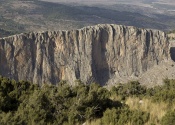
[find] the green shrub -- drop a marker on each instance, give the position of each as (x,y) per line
(124,115)
(133,88)
(165,93)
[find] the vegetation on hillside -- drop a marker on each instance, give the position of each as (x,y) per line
(4,33)
(172,31)
(9,27)
(26,103)
(17,16)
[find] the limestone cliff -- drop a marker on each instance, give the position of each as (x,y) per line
(102,53)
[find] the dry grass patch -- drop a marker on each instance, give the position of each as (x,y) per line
(93,122)
(156,110)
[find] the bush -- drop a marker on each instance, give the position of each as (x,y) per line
(121,116)
(132,88)
(165,93)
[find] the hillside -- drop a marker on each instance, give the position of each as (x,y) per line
(18,16)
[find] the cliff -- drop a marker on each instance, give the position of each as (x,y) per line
(103,53)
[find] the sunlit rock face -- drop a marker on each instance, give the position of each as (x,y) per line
(106,54)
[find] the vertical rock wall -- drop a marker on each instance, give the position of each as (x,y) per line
(97,53)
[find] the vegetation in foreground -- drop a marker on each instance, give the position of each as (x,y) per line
(125,104)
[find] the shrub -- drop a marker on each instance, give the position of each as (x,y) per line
(124,115)
(165,93)
(132,88)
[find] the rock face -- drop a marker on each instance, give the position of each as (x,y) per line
(102,53)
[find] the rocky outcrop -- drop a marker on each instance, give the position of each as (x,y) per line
(102,53)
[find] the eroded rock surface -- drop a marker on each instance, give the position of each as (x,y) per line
(104,53)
